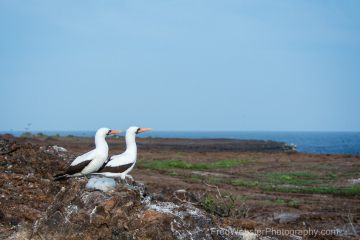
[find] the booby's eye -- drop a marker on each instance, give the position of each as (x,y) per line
(108,132)
(137,131)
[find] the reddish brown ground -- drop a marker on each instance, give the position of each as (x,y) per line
(317,210)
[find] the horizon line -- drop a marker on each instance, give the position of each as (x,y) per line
(7,131)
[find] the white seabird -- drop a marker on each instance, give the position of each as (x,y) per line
(120,165)
(90,161)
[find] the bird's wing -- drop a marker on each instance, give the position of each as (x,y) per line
(85,157)
(121,159)
(81,162)
(118,163)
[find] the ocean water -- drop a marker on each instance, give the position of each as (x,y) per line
(309,142)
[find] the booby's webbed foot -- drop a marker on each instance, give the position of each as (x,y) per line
(120,185)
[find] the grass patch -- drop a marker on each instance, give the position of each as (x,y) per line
(291,174)
(286,177)
(318,189)
(331,176)
(176,164)
(174,173)
(228,163)
(243,198)
(293,178)
(240,182)
(298,178)
(171,164)
(279,201)
(182,154)
(294,202)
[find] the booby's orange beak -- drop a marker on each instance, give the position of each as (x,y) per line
(114,132)
(144,130)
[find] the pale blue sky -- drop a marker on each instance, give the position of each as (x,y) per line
(180,65)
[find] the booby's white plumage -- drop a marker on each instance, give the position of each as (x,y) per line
(120,165)
(90,161)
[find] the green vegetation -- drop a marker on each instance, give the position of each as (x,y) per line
(280,201)
(182,154)
(164,151)
(174,173)
(291,174)
(286,177)
(228,163)
(318,189)
(331,176)
(177,164)
(350,174)
(171,164)
(223,205)
(298,178)
(240,182)
(293,178)
(243,198)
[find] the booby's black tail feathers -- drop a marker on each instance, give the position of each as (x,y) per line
(59,177)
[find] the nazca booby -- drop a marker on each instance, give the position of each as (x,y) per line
(120,165)
(90,161)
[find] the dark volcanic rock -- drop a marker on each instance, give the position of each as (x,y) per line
(35,207)
(79,213)
(26,189)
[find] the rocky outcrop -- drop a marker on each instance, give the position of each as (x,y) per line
(26,189)
(35,207)
(79,213)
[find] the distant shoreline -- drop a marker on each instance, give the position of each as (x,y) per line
(164,144)
(307,142)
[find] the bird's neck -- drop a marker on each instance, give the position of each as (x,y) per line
(101,144)
(130,143)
